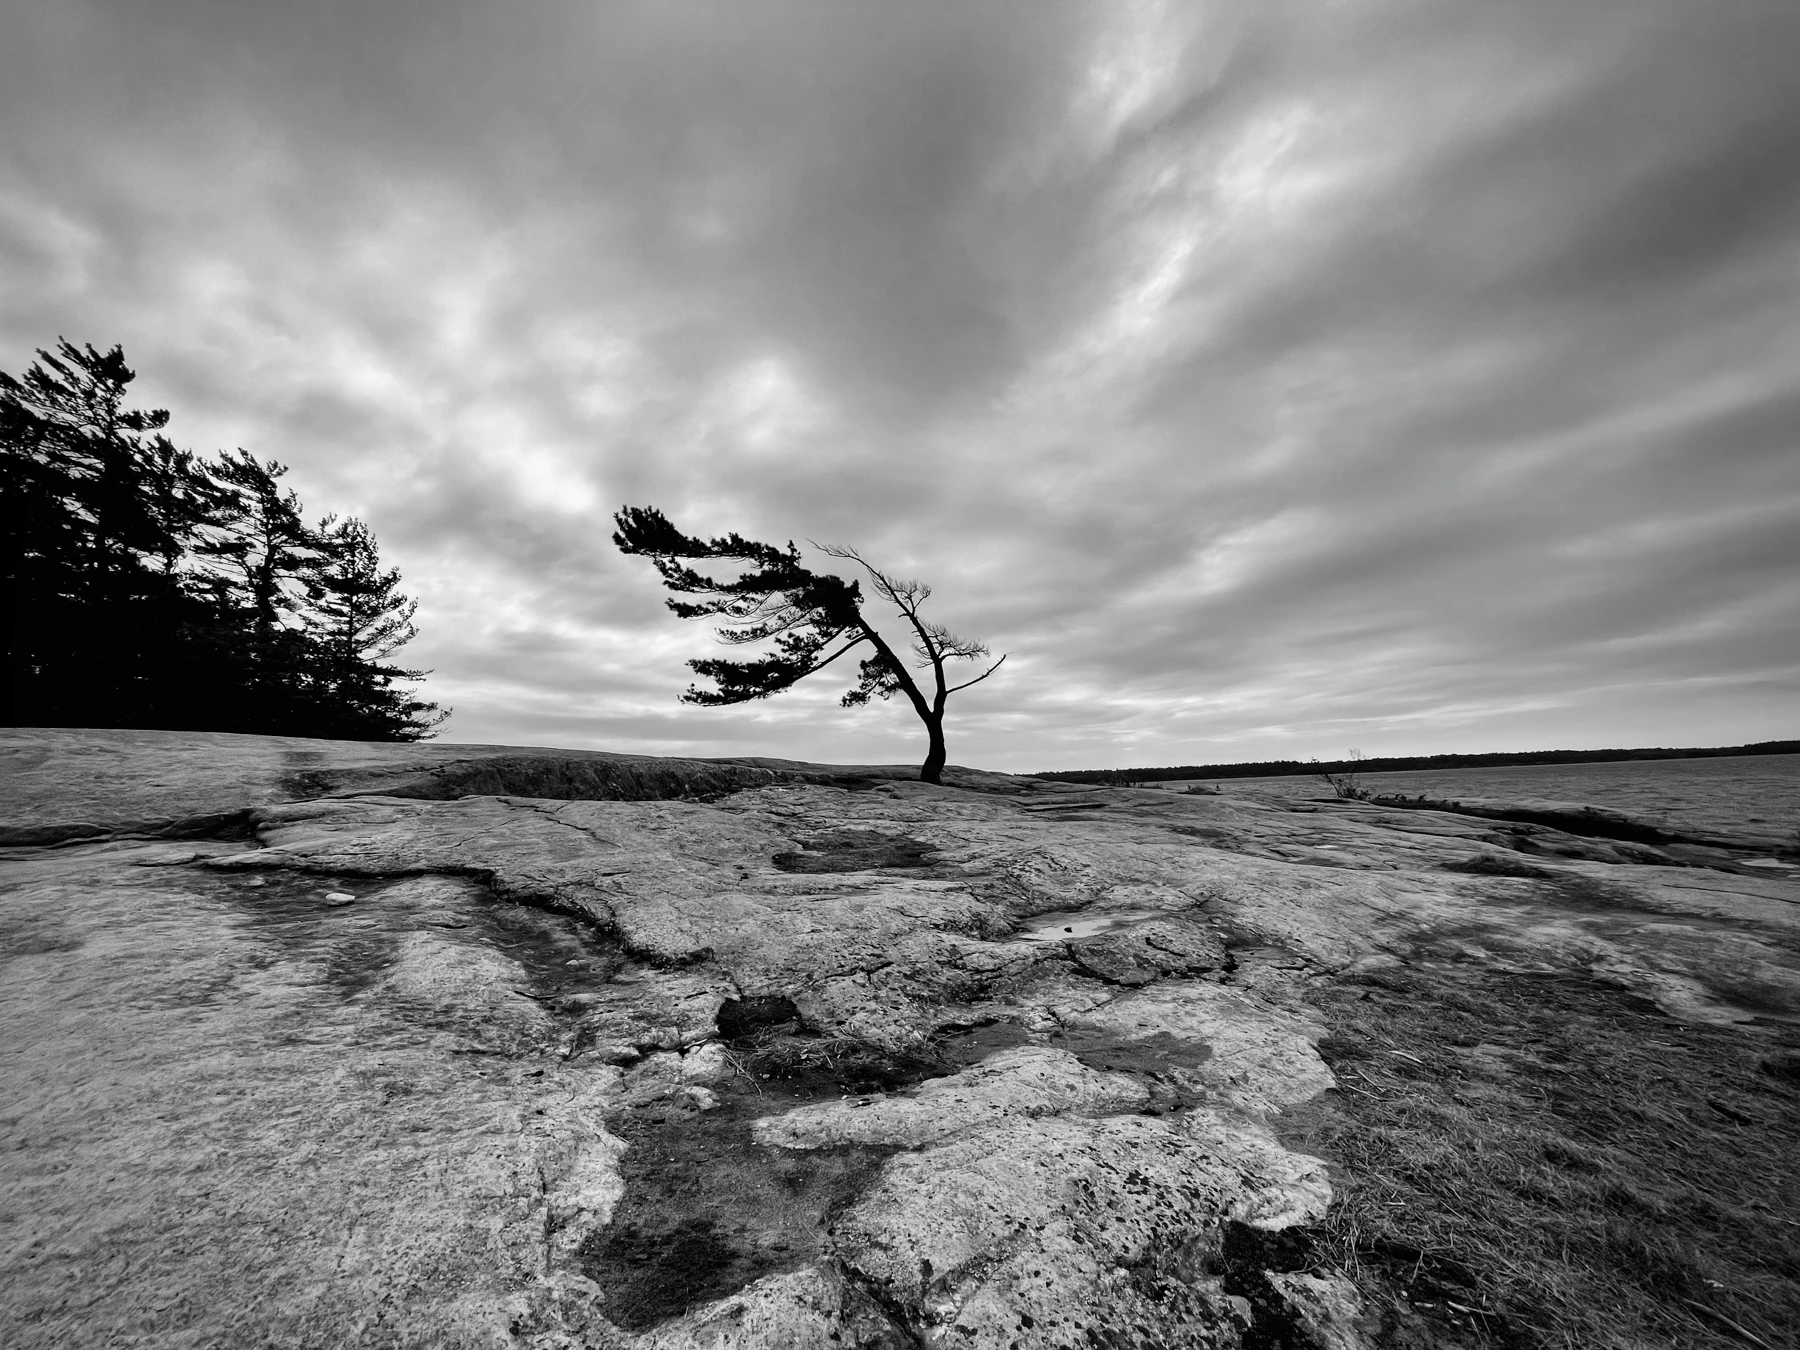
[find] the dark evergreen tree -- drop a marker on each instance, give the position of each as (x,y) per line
(803,613)
(179,498)
(88,615)
(146,588)
(262,539)
(357,619)
(38,532)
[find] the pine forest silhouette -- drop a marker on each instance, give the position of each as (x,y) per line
(148,587)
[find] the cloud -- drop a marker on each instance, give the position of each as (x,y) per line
(1257,375)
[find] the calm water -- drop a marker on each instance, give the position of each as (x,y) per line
(1753,794)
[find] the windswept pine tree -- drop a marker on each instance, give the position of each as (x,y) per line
(804,614)
(146,587)
(359,620)
(89,617)
(260,548)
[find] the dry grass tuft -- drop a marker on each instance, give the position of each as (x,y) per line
(1546,1161)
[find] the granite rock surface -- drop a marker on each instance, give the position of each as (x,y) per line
(331,1044)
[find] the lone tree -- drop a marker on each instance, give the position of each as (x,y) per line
(804,613)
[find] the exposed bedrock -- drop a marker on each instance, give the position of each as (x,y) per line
(452,1046)
(59,784)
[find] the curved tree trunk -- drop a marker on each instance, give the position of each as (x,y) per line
(932,715)
(932,770)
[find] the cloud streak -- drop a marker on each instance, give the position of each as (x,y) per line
(1265,378)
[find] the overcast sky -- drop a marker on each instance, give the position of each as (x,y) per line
(1265,378)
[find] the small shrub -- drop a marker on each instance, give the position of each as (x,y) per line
(1345,783)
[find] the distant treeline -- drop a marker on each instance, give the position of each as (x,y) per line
(1279,768)
(147,587)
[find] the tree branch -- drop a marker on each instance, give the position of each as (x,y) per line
(906,596)
(854,642)
(979,678)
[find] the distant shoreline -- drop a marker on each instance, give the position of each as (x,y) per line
(1284,768)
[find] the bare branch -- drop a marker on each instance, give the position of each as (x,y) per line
(979,678)
(906,595)
(909,595)
(948,644)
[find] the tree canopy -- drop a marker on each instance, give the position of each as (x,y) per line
(146,586)
(812,618)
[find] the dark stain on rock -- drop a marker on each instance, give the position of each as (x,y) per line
(966,1045)
(706,1208)
(707,1211)
(1207,834)
(33,933)
(557,776)
(1782,1065)
(1498,865)
(230,825)
(808,1065)
(1244,1257)
(1589,822)
(1575,891)
(654,1274)
(1112,1053)
(742,1017)
(1161,1061)
(855,851)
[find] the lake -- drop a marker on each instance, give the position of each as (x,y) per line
(1747,794)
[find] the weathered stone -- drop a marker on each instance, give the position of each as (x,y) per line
(1027,1081)
(1040,1231)
(1143,952)
(810,1309)
(246,1112)
(1325,1309)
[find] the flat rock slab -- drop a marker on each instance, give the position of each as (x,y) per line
(227,1128)
(831,1059)
(58,783)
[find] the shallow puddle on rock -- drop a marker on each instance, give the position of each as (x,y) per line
(351,946)
(707,1209)
(966,1046)
(357,940)
(1158,1053)
(1068,925)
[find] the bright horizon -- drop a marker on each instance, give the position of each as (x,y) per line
(1265,380)
(1174,764)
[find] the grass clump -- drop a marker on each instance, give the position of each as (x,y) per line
(1545,1161)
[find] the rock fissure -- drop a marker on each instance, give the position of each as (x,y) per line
(219,825)
(902,1317)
